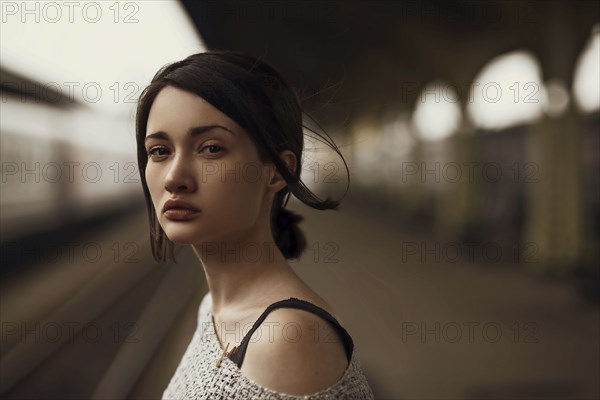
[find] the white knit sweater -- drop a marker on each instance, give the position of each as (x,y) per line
(198,377)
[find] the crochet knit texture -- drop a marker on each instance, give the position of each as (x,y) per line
(198,377)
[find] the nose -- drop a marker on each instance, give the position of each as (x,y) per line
(179,177)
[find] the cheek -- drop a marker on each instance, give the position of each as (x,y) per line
(240,195)
(154,184)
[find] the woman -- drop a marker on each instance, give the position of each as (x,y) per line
(220,142)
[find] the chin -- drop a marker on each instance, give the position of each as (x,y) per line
(180,239)
(183,235)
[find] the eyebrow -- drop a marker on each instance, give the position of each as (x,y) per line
(195,131)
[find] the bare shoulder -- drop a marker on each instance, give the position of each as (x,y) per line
(295,352)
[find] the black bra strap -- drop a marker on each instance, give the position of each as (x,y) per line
(293,302)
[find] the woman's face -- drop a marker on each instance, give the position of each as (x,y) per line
(198,155)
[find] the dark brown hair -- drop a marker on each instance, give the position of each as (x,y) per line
(256,97)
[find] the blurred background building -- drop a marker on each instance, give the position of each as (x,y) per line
(471,131)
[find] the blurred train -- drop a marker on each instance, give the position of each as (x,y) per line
(63,162)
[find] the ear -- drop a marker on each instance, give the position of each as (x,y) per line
(276,181)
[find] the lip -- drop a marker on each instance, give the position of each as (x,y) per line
(178,204)
(179,210)
(180,214)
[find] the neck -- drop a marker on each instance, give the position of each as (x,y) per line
(241,273)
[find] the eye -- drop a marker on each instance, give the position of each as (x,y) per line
(214,149)
(153,151)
